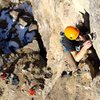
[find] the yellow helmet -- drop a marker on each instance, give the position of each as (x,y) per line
(71,32)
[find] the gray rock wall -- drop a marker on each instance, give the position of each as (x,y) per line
(95,23)
(52,17)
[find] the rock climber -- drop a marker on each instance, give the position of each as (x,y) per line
(75,42)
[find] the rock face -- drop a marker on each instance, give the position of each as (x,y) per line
(57,14)
(52,16)
(95,22)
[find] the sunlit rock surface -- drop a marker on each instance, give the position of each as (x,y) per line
(52,17)
(95,23)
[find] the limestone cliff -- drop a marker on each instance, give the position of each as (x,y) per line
(95,22)
(45,54)
(53,16)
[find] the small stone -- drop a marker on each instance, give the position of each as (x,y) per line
(14,1)
(86,78)
(48,75)
(33,27)
(22,22)
(33,46)
(14,14)
(1,92)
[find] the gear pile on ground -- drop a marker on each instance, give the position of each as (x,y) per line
(26,71)
(17,27)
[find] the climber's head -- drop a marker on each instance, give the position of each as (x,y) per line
(71,32)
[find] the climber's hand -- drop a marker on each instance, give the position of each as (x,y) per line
(87,44)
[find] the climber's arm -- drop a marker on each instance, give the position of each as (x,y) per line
(79,55)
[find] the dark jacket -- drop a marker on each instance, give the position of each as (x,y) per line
(70,45)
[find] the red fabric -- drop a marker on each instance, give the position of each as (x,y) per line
(3,76)
(32,92)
